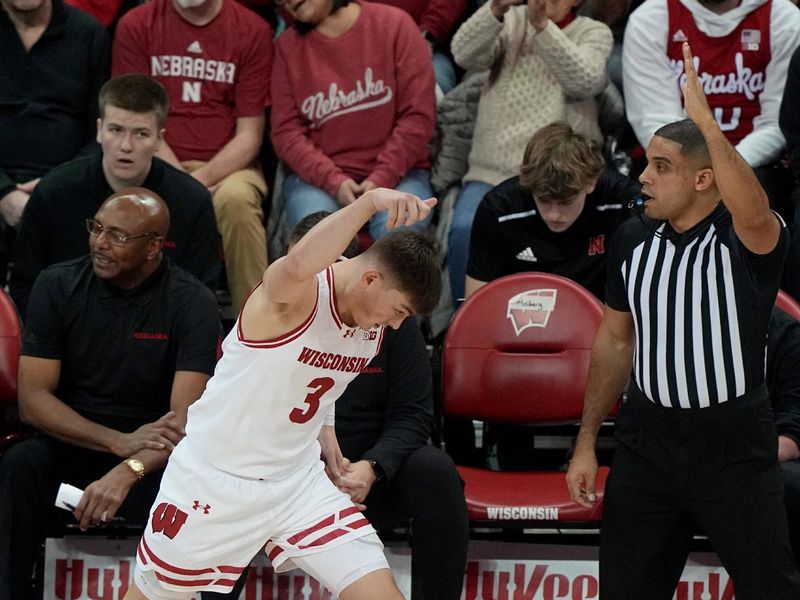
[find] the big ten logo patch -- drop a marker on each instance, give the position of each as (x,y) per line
(168,519)
(371,335)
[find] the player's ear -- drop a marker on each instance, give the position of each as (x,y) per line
(370,276)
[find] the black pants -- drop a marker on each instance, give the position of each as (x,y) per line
(791,271)
(30,473)
(427,491)
(790,470)
(716,467)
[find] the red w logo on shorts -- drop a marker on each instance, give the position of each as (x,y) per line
(168,519)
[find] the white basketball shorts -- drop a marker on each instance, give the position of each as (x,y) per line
(206,525)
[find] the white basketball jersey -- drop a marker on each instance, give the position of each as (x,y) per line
(263,409)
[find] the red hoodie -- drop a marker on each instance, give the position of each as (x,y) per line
(360,105)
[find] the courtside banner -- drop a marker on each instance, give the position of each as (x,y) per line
(85,568)
(499,571)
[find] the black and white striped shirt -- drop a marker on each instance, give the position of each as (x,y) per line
(700,303)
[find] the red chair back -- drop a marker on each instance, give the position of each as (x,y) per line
(788,304)
(9,349)
(518,351)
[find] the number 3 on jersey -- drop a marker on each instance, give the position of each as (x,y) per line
(319,386)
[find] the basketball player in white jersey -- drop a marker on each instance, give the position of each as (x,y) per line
(248,473)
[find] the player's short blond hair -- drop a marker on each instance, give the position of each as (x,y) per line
(411,260)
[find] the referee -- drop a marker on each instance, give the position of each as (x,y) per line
(689,293)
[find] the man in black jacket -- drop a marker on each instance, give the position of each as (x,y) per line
(55,58)
(130,130)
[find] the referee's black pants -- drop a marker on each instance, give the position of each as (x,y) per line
(716,467)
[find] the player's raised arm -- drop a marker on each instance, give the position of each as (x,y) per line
(755,225)
(287,279)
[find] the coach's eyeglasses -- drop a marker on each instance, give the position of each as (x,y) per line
(117,238)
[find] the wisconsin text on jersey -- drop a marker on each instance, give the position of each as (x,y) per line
(191,66)
(334,362)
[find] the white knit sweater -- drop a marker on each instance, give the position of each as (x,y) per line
(548,76)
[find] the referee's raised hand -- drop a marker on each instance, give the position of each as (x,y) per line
(694,98)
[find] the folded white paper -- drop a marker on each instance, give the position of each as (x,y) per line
(68,497)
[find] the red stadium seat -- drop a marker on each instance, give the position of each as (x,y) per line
(788,304)
(517,352)
(9,364)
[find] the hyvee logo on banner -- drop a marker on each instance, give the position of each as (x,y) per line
(574,580)
(83,568)
(100,569)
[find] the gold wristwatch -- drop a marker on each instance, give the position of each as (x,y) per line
(135,465)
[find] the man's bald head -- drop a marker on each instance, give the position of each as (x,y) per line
(145,206)
(126,236)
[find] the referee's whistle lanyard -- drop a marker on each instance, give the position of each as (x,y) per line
(637,207)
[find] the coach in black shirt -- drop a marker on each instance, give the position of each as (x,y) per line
(689,295)
(557,217)
(130,130)
(116,346)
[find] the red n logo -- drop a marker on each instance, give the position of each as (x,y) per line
(168,519)
(597,245)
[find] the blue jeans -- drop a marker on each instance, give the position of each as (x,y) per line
(444,71)
(458,239)
(300,199)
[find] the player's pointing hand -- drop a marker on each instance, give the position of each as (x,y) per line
(402,208)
